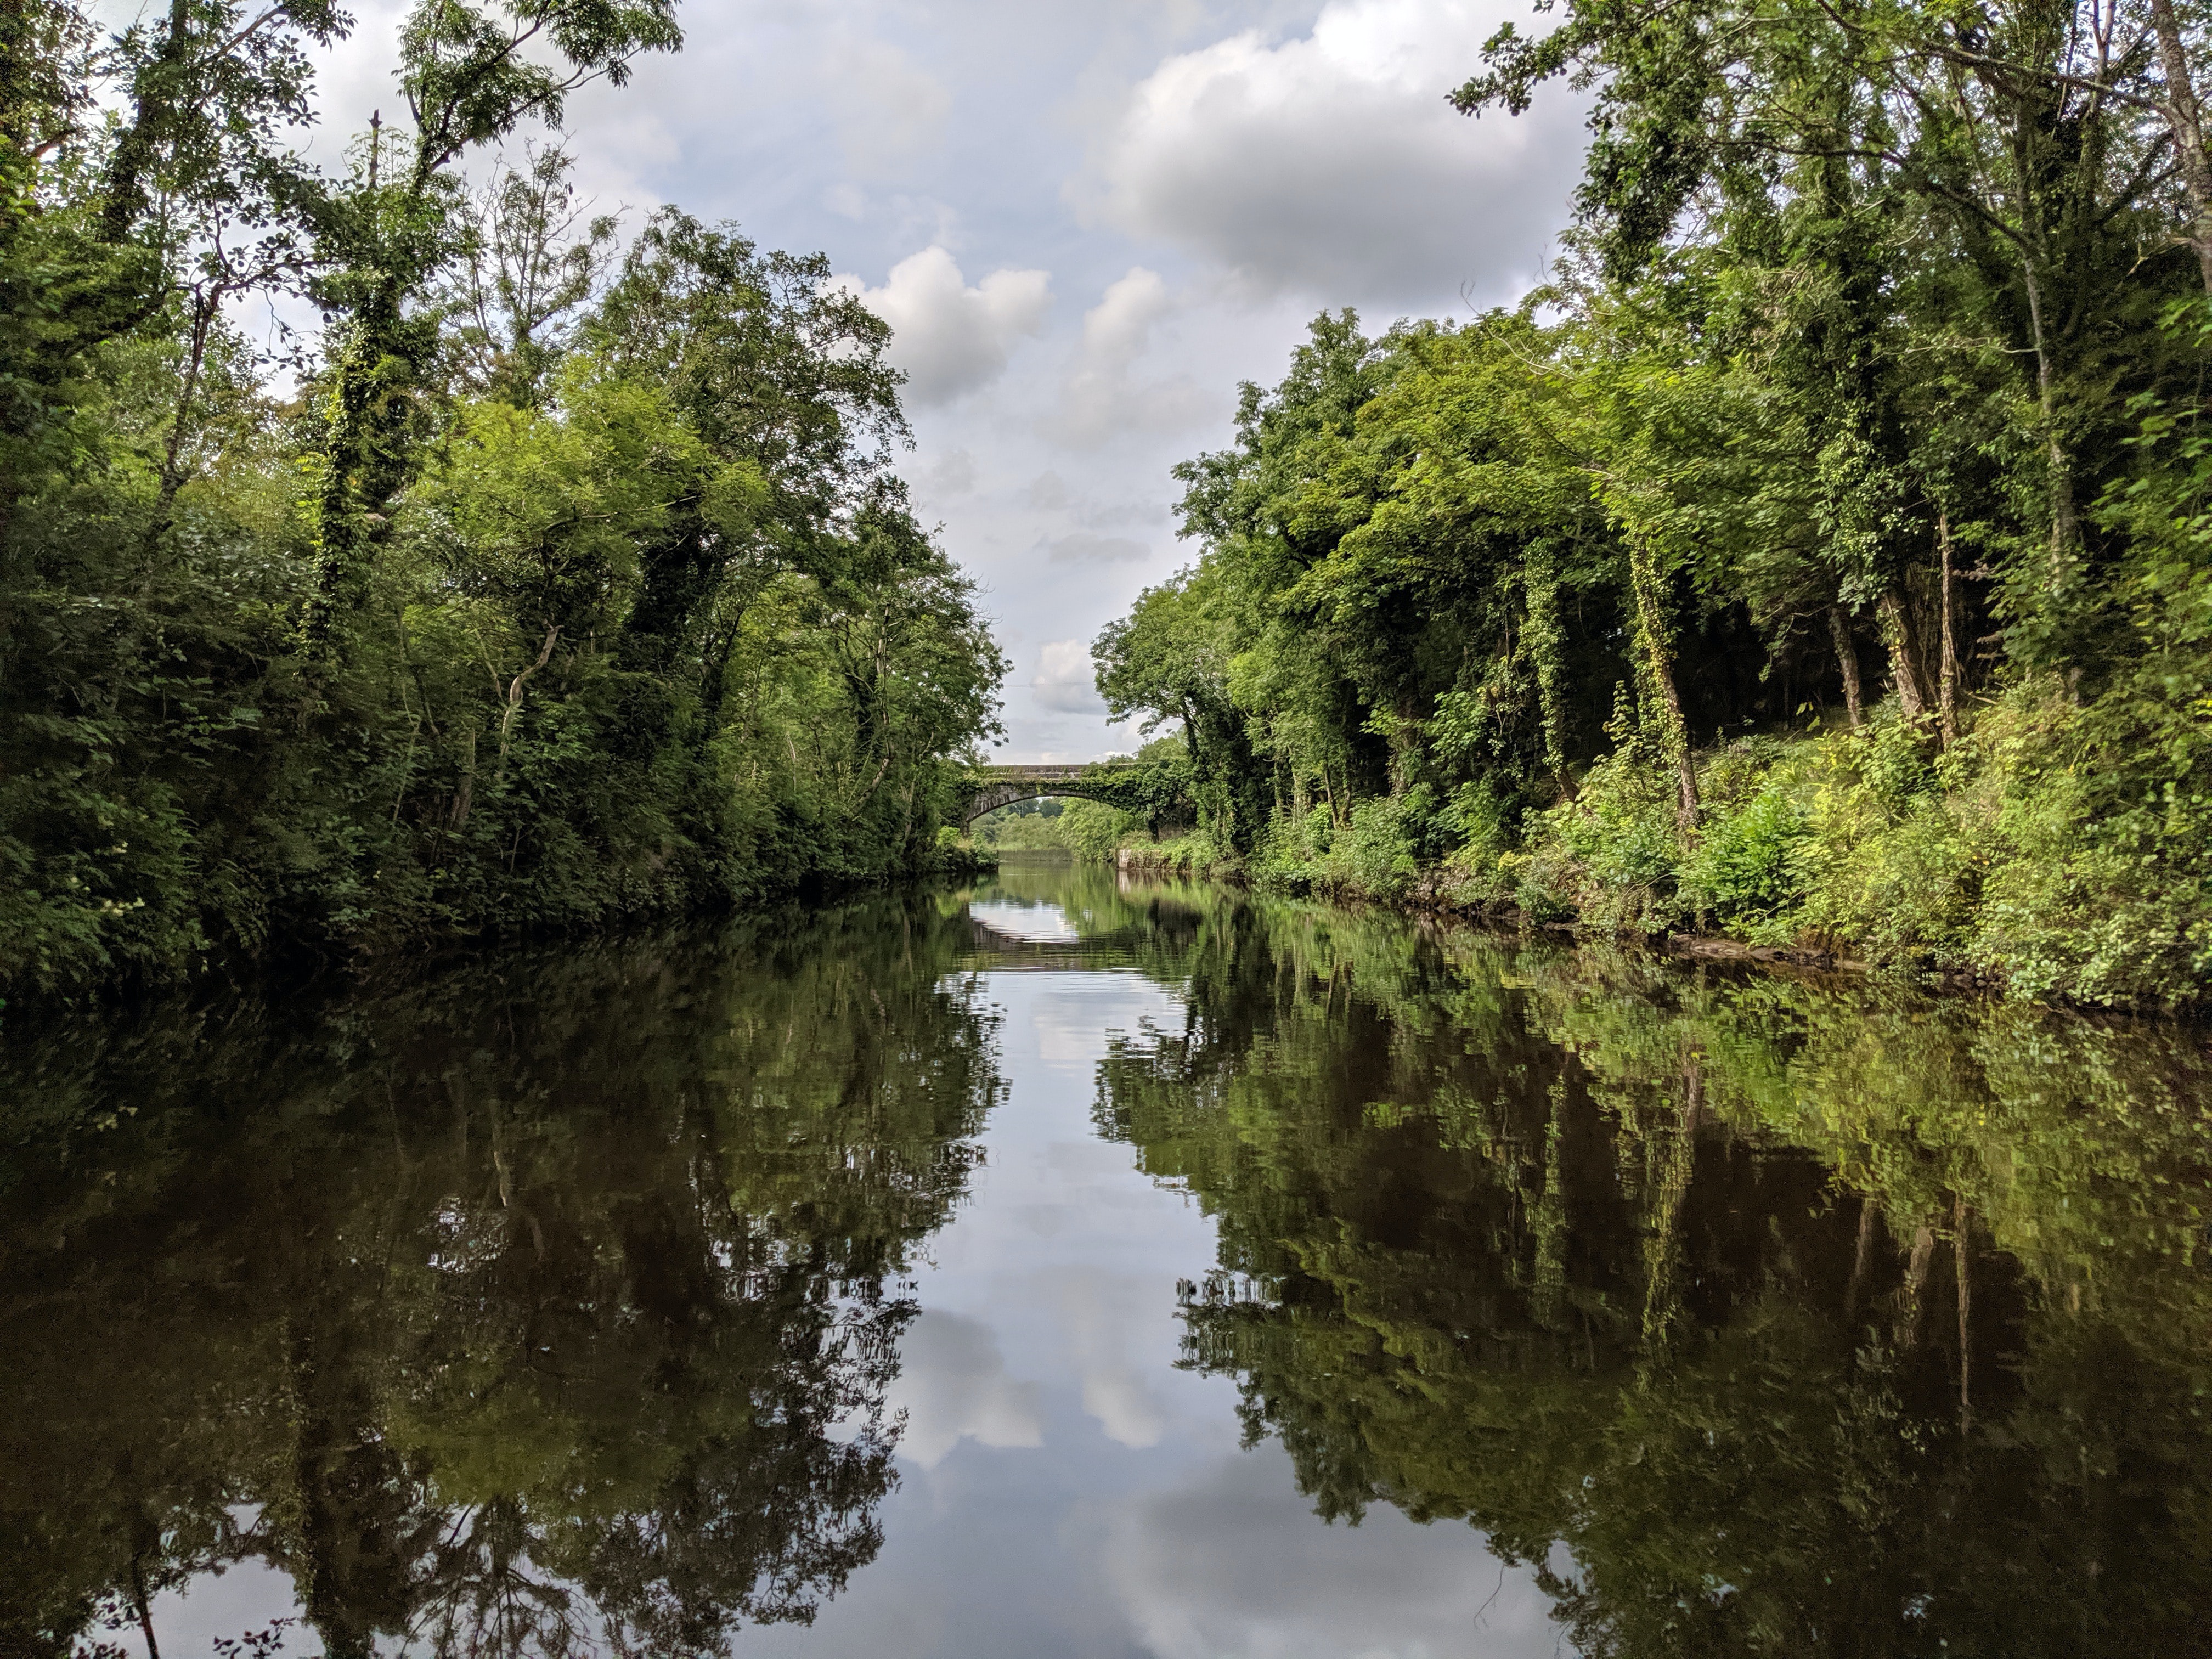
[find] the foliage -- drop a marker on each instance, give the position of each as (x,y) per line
(1819,556)
(570,582)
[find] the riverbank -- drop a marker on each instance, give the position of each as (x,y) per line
(1978,863)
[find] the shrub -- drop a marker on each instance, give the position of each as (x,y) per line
(1745,871)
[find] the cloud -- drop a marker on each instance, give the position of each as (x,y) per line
(950,338)
(887,105)
(1064,678)
(953,1385)
(1236,1563)
(1081,547)
(1331,164)
(951,475)
(1101,397)
(1047,491)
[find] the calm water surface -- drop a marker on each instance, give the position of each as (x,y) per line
(1063,1268)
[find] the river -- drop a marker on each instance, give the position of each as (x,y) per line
(1068,1267)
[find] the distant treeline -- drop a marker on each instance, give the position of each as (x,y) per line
(1821,557)
(563,575)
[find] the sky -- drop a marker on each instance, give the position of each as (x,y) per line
(1086,224)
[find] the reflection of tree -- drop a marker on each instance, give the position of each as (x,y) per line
(1806,1319)
(541,1305)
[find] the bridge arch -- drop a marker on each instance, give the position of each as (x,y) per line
(1002,786)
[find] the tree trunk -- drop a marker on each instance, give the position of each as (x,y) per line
(1869,1219)
(1897,634)
(1540,585)
(1959,1219)
(1947,676)
(154,99)
(2187,119)
(2062,472)
(1916,1281)
(1651,626)
(1847,657)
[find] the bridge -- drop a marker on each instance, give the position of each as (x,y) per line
(1002,786)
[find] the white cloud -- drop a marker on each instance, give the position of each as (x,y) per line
(1331,164)
(1081,547)
(1064,678)
(950,338)
(1101,397)
(888,106)
(953,1385)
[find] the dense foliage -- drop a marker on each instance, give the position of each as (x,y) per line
(564,577)
(1821,557)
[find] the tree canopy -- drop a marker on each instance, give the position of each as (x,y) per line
(564,576)
(1818,556)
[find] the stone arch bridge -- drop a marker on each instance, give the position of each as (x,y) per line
(994,787)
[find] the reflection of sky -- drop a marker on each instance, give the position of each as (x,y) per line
(1019,919)
(1066,1491)
(192,1617)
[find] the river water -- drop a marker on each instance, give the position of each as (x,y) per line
(1066,1266)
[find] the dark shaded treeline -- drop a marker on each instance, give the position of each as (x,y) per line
(563,577)
(1819,556)
(542,1303)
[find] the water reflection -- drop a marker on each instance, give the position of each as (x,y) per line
(1754,1315)
(547,1303)
(904,1279)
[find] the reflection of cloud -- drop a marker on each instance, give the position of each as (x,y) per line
(1108,1318)
(218,1606)
(949,337)
(953,1385)
(1236,1563)
(1066,680)
(1067,1034)
(1017,919)
(1331,164)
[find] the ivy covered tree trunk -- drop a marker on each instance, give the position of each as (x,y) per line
(1847,659)
(2185,116)
(1655,657)
(1544,638)
(1947,672)
(1897,636)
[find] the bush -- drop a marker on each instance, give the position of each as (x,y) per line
(1092,830)
(1745,870)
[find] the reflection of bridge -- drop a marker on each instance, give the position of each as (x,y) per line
(1002,786)
(990,950)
